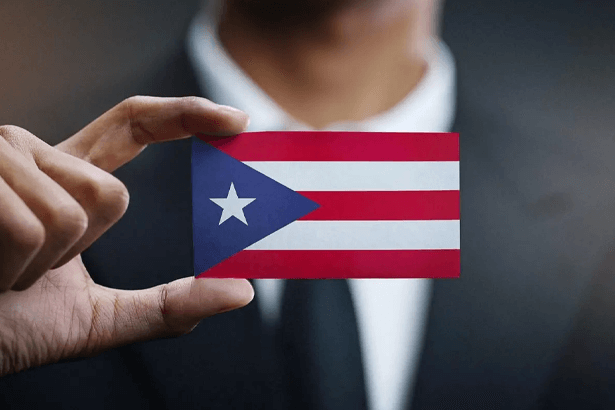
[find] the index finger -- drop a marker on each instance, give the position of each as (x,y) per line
(125,130)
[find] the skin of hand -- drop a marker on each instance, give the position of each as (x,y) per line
(56,201)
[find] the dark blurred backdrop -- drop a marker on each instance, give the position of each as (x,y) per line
(547,63)
(543,69)
(55,56)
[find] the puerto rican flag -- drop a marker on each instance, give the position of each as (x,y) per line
(314,204)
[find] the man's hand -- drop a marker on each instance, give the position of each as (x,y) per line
(54,202)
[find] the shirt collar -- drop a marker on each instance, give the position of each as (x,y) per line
(430,107)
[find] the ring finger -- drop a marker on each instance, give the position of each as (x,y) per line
(63,218)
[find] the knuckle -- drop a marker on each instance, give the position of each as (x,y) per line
(135,99)
(14,134)
(6,130)
(172,325)
(133,105)
(28,237)
(169,326)
(163,301)
(130,109)
(190,102)
(108,197)
(127,107)
(22,140)
(66,223)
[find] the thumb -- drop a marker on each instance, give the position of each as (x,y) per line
(121,317)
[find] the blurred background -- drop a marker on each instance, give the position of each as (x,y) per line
(546,63)
(545,69)
(57,56)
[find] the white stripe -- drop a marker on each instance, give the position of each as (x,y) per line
(362,176)
(362,235)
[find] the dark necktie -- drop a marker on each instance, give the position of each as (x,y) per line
(319,345)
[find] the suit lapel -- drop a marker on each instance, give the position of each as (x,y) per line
(494,334)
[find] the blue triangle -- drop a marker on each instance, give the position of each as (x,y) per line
(274,207)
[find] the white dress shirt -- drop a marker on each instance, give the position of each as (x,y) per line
(391,313)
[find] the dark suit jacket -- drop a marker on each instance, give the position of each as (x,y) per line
(528,325)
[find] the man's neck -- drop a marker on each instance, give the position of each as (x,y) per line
(349,68)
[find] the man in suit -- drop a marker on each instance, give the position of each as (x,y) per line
(502,336)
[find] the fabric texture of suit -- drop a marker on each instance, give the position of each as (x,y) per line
(529,324)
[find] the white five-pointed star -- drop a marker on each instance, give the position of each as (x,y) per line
(232,205)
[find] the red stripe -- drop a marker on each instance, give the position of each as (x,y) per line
(389,206)
(339,264)
(338,146)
